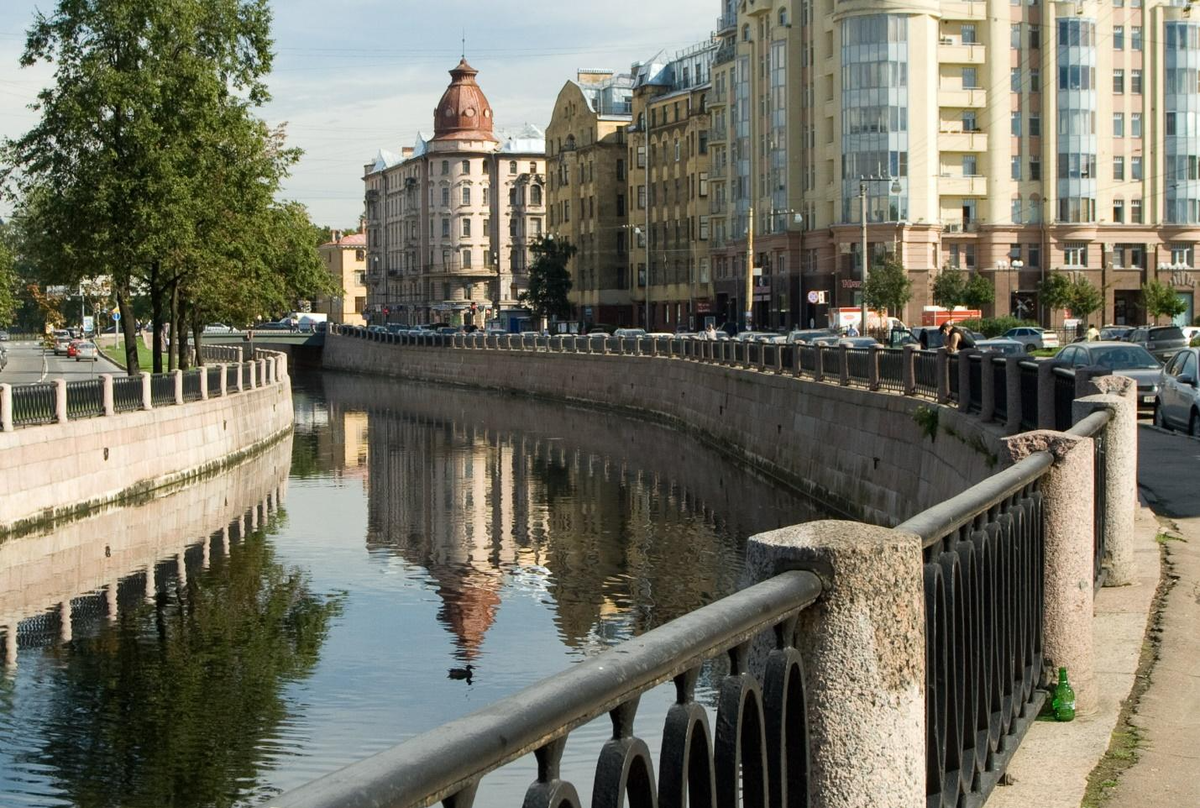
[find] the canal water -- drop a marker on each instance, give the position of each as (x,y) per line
(411,554)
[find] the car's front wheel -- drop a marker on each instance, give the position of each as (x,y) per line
(1160,420)
(1194,425)
(1031,347)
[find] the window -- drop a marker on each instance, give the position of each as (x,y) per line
(1135,82)
(1016,210)
(1075,254)
(1035,80)
(1035,37)
(445,228)
(1033,253)
(466,227)
(535,195)
(970,124)
(1181,254)
(1118,124)
(970,165)
(1035,124)
(970,78)
(1135,124)
(1118,211)
(1014,79)
(466,195)
(1035,168)
(1135,167)
(466,166)
(536,224)
(641,197)
(1135,37)
(1118,168)
(445,167)
(620,204)
(1015,167)
(703,184)
(1118,37)
(533,169)
(466,259)
(641,157)
(969,34)
(512,166)
(704,228)
(677,150)
(1135,211)
(445,197)
(1016,124)
(620,169)
(1014,36)
(1119,82)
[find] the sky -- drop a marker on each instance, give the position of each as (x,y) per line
(355,76)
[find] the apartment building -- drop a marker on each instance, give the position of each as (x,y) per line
(669,222)
(450,220)
(345,259)
(1010,139)
(587,196)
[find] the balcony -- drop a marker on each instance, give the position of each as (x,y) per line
(962,141)
(959,226)
(727,22)
(957,10)
(962,98)
(951,50)
(962,186)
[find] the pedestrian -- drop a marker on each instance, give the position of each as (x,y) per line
(1093,334)
(852,330)
(710,332)
(954,338)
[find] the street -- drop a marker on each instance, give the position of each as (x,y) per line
(27,364)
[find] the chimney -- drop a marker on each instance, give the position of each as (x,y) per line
(335,236)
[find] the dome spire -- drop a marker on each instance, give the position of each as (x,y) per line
(464,112)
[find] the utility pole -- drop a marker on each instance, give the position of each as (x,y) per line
(750,271)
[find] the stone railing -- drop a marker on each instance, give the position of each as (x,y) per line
(909,681)
(72,446)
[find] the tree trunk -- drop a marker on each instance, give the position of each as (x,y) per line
(197,330)
(129,329)
(180,330)
(156,318)
(174,343)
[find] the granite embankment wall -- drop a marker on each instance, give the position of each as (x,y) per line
(62,470)
(862,454)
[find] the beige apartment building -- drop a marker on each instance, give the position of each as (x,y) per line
(587,170)
(1012,139)
(451,219)
(669,184)
(345,258)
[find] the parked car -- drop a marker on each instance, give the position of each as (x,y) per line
(86,349)
(1161,340)
(62,340)
(73,348)
(808,335)
(630,332)
(1122,359)
(3,335)
(849,342)
(756,336)
(1000,345)
(217,328)
(1115,333)
(1033,338)
(1178,404)
(3,357)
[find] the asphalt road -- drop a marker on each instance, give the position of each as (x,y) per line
(28,364)
(1169,472)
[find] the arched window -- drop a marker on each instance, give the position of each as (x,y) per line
(466,166)
(512,166)
(445,167)
(533,168)
(783,18)
(570,142)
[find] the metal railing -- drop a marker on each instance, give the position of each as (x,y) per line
(952,368)
(85,399)
(1064,394)
(214,381)
(1029,394)
(858,365)
(891,371)
(925,373)
(191,384)
(34,404)
(450,763)
(999,370)
(162,389)
(975,384)
(984,602)
(232,374)
(127,393)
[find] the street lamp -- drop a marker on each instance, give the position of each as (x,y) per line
(1008,266)
(895,188)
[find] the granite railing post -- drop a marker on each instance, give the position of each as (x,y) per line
(6,422)
(204,384)
(177,377)
(873,367)
(910,370)
(844,364)
(863,649)
(1045,395)
(1068,555)
(1013,400)
(106,380)
(1119,398)
(819,363)
(224,379)
(147,396)
(281,366)
(987,389)
(942,368)
(253,366)
(238,377)
(964,381)
(60,400)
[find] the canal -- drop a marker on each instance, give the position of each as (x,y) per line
(411,554)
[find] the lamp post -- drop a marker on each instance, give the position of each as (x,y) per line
(797,218)
(895,188)
(1008,267)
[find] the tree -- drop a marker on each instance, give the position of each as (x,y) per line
(1160,300)
(549,280)
(1085,299)
(887,286)
(1055,291)
(978,292)
(8,284)
(948,288)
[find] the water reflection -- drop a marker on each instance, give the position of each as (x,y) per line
(160,673)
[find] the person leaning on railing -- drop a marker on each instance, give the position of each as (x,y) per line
(954,338)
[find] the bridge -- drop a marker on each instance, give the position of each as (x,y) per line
(266,338)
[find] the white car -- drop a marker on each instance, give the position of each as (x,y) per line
(217,328)
(629,332)
(1033,338)
(87,350)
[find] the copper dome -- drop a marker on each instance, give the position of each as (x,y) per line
(464,112)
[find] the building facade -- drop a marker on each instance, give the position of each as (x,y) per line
(345,259)
(450,220)
(669,221)
(588,202)
(1012,139)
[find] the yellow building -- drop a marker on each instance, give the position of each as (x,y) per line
(1012,140)
(588,205)
(345,258)
(450,220)
(669,185)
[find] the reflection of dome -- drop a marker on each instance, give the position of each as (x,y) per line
(464,112)
(469,603)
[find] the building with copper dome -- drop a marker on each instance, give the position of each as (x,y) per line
(450,220)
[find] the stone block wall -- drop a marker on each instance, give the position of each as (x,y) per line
(862,454)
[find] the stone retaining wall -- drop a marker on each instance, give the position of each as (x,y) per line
(58,471)
(863,454)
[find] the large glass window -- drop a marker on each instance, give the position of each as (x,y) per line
(1181,103)
(1077,101)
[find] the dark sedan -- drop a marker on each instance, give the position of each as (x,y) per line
(1161,340)
(1122,359)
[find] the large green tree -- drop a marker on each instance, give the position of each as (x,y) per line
(549,280)
(978,292)
(948,288)
(888,286)
(8,283)
(1160,300)
(1073,293)
(148,141)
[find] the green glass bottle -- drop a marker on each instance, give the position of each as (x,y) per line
(1063,702)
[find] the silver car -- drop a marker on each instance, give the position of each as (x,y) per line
(1179,393)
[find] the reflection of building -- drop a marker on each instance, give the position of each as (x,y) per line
(345,258)
(451,219)
(588,204)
